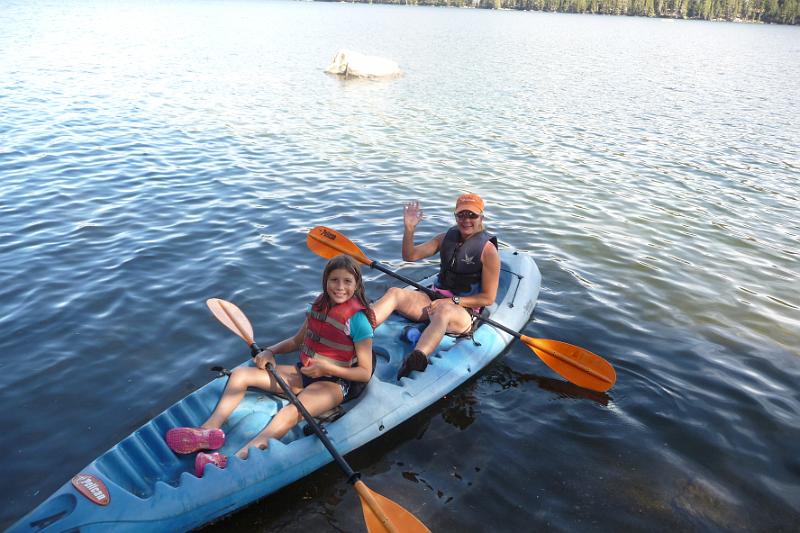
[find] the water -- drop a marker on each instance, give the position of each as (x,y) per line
(155,154)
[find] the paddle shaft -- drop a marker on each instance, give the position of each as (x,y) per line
(433,295)
(352,477)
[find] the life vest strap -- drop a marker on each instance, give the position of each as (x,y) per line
(314,336)
(326,318)
(314,355)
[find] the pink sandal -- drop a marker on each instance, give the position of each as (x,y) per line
(203,459)
(190,440)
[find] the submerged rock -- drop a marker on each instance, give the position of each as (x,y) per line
(354,64)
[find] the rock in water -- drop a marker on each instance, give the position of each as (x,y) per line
(354,64)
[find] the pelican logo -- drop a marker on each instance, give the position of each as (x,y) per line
(91,487)
(468,260)
(328,234)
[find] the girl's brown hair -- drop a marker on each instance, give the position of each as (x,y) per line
(323,302)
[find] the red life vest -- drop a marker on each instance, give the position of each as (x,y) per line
(325,335)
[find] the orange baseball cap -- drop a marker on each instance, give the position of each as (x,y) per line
(470,202)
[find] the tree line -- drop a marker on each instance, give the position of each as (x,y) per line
(768,11)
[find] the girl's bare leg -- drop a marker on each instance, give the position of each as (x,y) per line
(238,382)
(317,398)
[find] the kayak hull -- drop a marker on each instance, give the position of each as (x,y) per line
(140,484)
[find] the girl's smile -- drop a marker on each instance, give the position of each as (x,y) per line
(341,286)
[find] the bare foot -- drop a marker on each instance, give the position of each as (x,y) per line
(242,454)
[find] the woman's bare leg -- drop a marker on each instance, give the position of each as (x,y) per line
(411,304)
(449,318)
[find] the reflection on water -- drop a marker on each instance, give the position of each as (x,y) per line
(506,377)
(461,408)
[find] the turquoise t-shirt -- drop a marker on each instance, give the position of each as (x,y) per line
(359,327)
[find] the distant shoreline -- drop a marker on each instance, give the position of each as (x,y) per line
(754,12)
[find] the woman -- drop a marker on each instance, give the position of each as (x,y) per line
(335,344)
(469,275)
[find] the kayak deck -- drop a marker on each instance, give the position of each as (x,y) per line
(150,487)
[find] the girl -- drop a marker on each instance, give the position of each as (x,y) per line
(335,344)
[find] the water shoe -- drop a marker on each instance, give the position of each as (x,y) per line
(416,360)
(190,440)
(203,459)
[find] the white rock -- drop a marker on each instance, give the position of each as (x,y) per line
(354,64)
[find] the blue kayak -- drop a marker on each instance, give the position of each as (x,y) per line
(141,485)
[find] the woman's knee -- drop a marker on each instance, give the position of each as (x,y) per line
(445,313)
(394,294)
(454,317)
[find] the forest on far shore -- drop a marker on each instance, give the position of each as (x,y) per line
(767,11)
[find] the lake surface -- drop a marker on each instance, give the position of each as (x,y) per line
(156,154)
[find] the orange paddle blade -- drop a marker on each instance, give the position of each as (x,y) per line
(329,243)
(232,317)
(581,367)
(382,515)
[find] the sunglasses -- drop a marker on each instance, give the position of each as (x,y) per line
(467,214)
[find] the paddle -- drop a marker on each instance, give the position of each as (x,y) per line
(380,513)
(575,364)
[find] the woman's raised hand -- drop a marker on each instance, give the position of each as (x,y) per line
(412,214)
